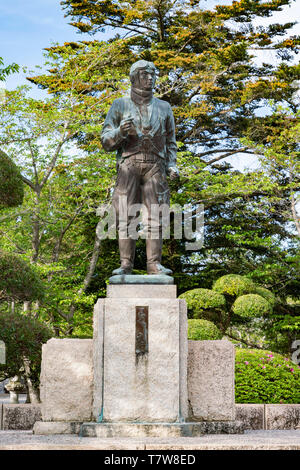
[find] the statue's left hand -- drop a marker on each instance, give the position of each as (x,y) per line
(173,172)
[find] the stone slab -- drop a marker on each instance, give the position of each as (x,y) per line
(162,430)
(141,279)
(250,440)
(211,380)
(251,415)
(282,416)
(20,417)
(67,380)
(139,291)
(152,387)
(46,428)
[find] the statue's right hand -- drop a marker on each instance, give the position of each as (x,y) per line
(126,125)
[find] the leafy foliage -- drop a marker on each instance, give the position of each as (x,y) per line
(11,185)
(23,337)
(234,285)
(7,70)
(265,377)
(232,311)
(199,300)
(251,305)
(18,281)
(200,330)
(216,89)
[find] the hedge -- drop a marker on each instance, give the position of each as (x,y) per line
(203,330)
(265,377)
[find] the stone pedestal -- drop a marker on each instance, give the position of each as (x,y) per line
(133,385)
(137,377)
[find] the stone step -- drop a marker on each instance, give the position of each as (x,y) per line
(162,430)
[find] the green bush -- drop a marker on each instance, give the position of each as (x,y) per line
(18,279)
(23,337)
(234,285)
(265,377)
(268,295)
(199,300)
(251,305)
(203,330)
(11,184)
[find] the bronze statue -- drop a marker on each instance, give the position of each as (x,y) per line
(142,131)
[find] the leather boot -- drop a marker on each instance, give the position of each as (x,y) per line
(154,251)
(127,252)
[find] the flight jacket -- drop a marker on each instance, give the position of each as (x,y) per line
(158,138)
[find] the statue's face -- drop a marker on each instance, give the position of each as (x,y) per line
(146,79)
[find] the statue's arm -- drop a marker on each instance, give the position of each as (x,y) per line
(171,146)
(111,135)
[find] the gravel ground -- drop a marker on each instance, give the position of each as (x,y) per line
(251,440)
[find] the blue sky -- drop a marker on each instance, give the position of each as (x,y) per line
(28,26)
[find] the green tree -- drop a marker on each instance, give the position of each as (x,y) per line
(207,73)
(215,88)
(55,228)
(18,282)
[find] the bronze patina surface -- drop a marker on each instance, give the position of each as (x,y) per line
(141,129)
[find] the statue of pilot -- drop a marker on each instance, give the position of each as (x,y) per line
(141,129)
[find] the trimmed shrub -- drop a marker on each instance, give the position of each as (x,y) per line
(266,294)
(199,300)
(265,377)
(251,305)
(18,279)
(202,330)
(234,285)
(11,184)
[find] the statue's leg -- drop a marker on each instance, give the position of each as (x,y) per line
(126,193)
(155,196)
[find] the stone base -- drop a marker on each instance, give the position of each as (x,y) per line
(47,428)
(162,430)
(136,279)
(140,380)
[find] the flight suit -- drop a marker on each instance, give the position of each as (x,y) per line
(143,159)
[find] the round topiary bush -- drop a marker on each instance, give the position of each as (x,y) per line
(265,377)
(200,330)
(202,299)
(18,279)
(251,305)
(234,285)
(266,294)
(11,184)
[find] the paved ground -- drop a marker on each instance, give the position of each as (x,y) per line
(251,440)
(4,398)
